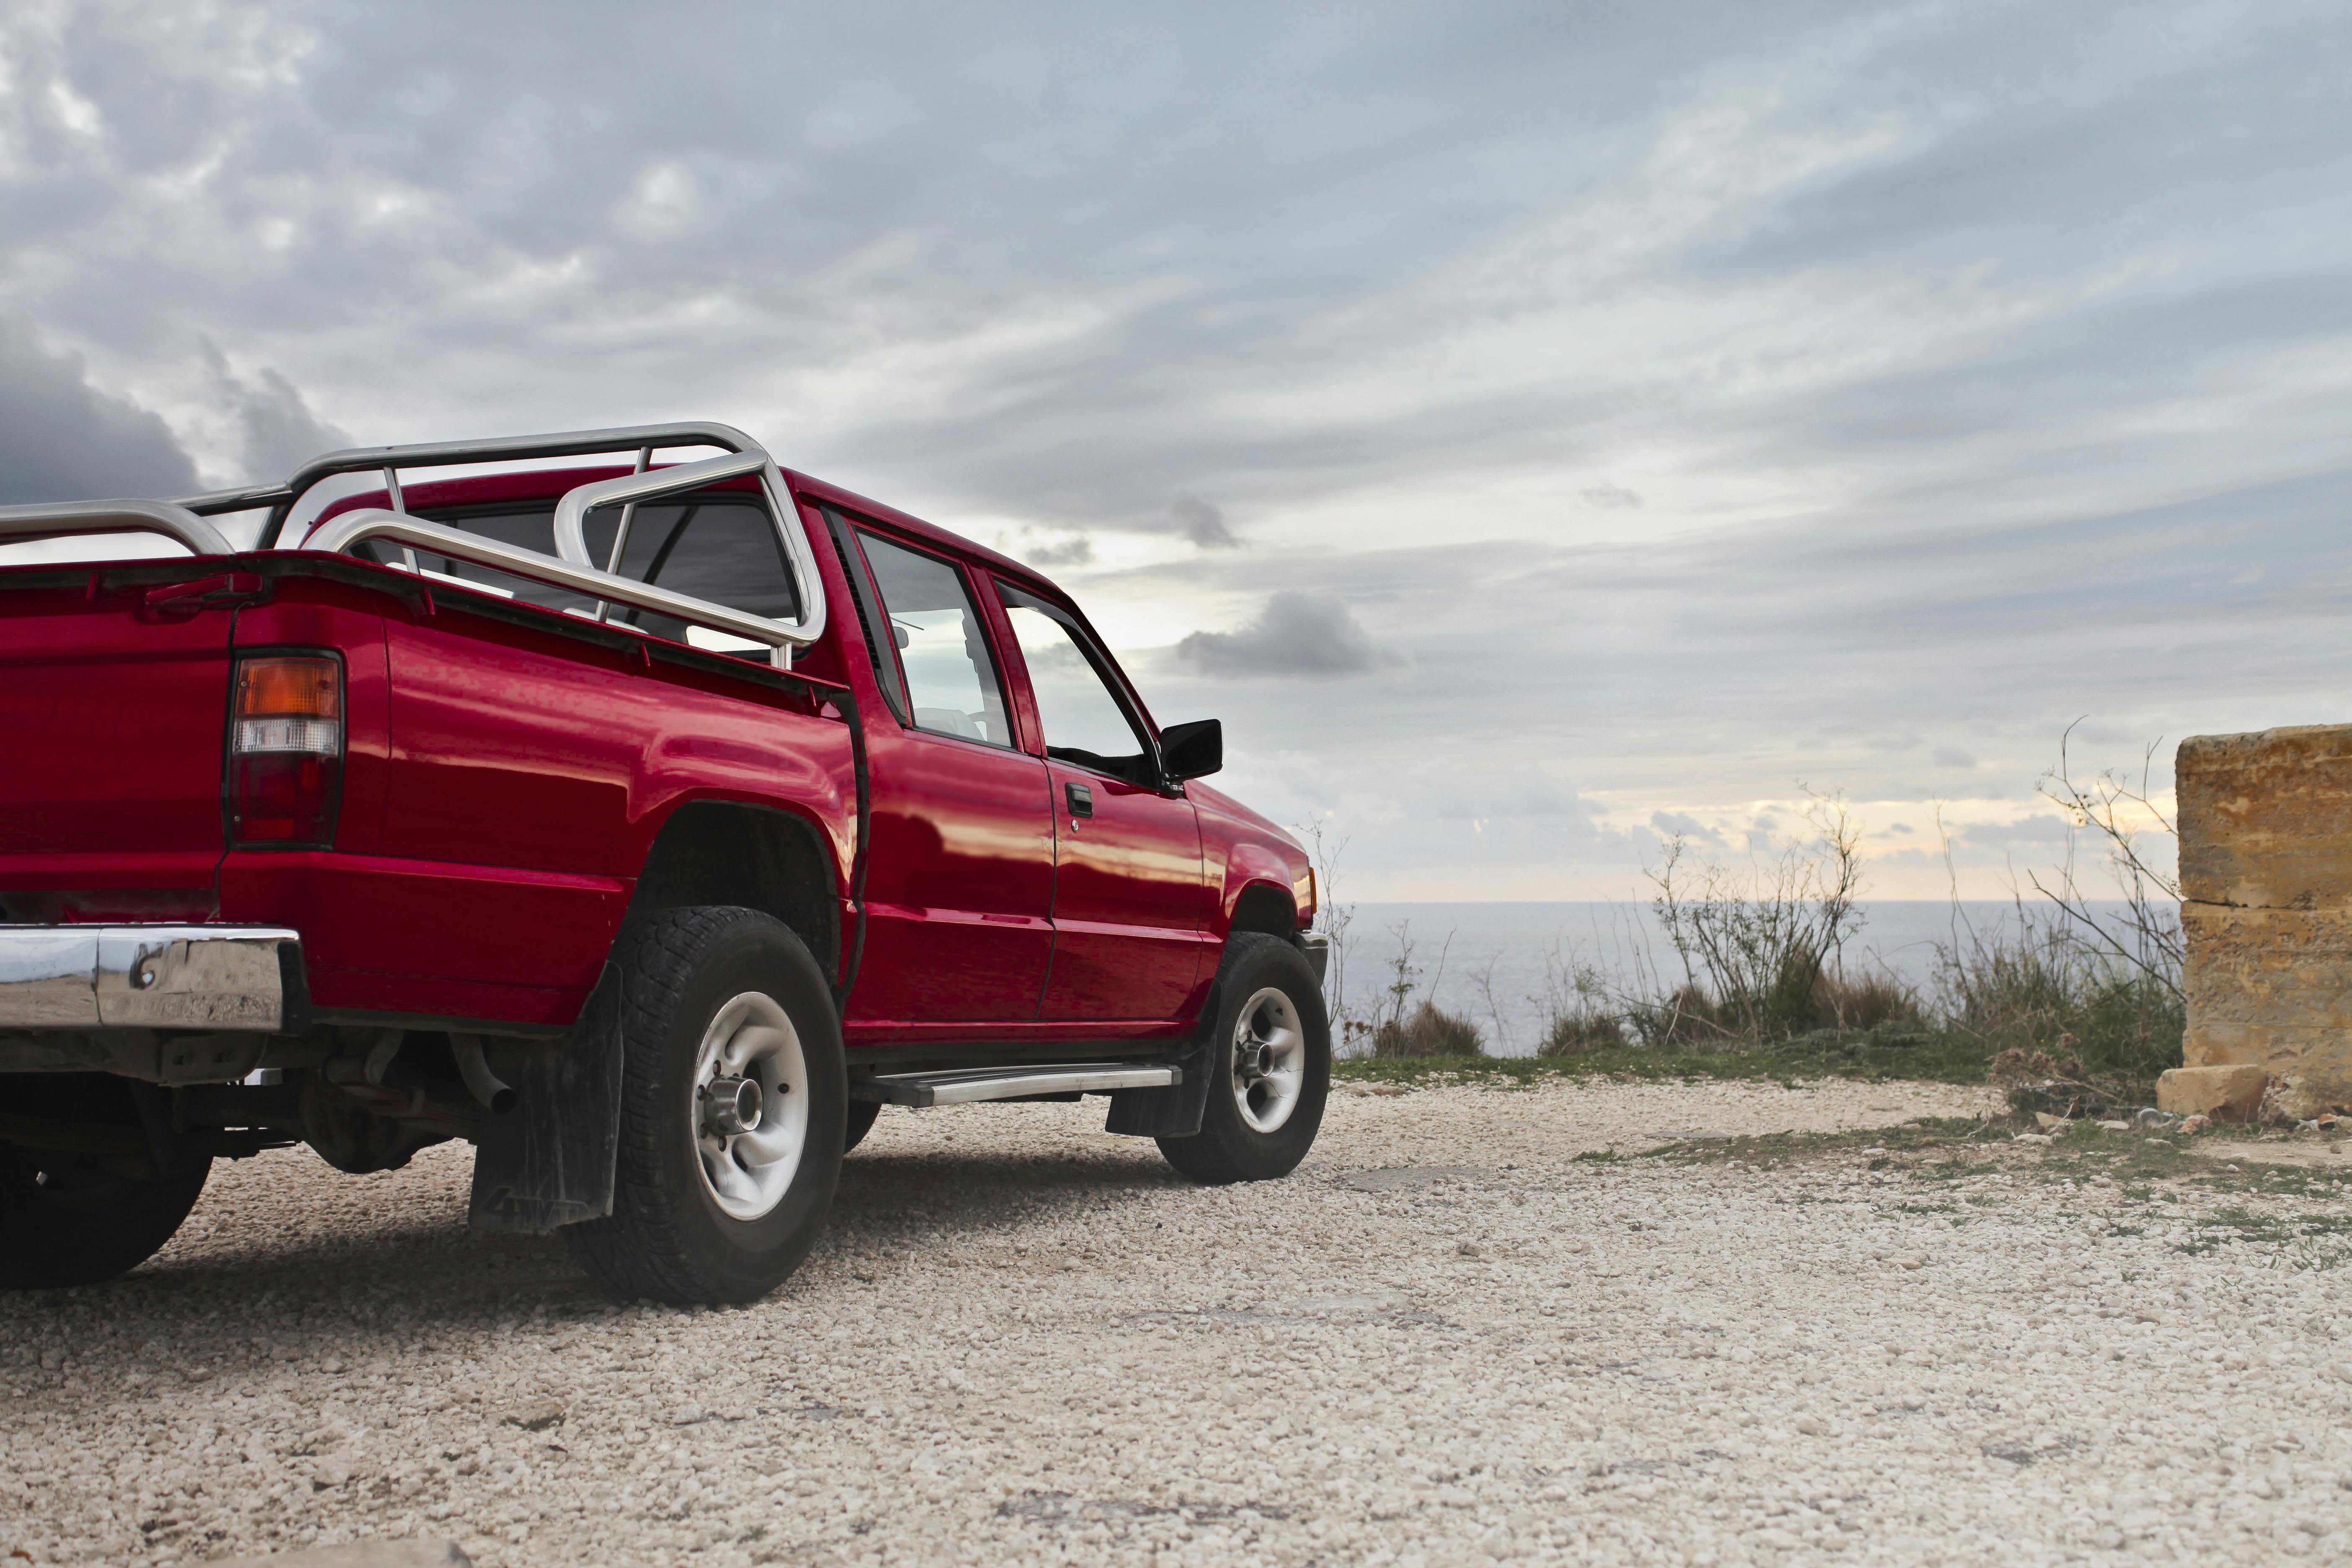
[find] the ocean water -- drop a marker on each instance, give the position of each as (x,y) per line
(1490,962)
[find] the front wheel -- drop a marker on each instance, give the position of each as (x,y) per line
(733,1097)
(1270,1064)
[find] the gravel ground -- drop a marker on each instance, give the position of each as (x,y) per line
(1446,1339)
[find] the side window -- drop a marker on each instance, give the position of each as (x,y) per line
(1086,722)
(950,676)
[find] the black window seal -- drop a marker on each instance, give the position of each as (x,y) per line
(866,599)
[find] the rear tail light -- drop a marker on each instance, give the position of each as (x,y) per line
(285,750)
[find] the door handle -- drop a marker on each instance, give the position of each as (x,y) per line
(1081,799)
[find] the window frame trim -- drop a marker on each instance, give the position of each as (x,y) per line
(859,527)
(865,601)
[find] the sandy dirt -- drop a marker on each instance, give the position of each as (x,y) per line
(1447,1339)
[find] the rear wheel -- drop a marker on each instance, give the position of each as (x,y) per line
(733,1106)
(76,1219)
(1270,1067)
(862,1114)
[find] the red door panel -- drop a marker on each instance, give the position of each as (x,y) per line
(1127,901)
(959,885)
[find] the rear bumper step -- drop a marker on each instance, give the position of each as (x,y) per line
(966,1084)
(146,976)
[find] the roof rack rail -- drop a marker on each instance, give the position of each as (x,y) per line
(174,521)
(280,499)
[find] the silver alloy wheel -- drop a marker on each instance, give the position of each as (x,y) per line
(750,1075)
(1270,1059)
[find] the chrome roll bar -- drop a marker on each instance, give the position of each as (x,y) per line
(631,490)
(338,535)
(516,449)
(442,454)
(173,522)
(571,511)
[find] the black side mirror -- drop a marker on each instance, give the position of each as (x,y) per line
(1192,751)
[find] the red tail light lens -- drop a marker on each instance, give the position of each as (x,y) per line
(285,750)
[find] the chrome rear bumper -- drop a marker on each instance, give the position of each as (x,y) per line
(145,976)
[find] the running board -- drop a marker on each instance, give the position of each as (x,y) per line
(965,1085)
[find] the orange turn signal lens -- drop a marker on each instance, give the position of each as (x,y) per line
(289,688)
(286,751)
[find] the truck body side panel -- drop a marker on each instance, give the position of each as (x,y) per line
(418,937)
(529,774)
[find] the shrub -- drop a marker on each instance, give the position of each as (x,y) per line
(2053,1007)
(1841,1001)
(1428,1030)
(1761,939)
(1575,1033)
(1685,1016)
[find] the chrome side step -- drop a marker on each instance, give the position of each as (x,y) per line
(964,1086)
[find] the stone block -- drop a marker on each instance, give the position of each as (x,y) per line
(2266,890)
(2224,1093)
(2267,967)
(2267,819)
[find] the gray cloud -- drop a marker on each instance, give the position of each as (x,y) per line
(62,439)
(280,430)
(1974,365)
(1202,521)
(1053,553)
(1297,632)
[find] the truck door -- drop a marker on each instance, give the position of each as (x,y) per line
(1128,918)
(959,879)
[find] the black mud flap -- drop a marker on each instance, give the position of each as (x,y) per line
(1175,1110)
(549,1162)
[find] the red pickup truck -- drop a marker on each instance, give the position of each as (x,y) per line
(649,825)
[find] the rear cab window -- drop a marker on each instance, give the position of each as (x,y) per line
(720,545)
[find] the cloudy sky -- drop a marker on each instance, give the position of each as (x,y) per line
(1534,429)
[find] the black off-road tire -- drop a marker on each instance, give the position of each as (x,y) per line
(68,1219)
(862,1114)
(668,1238)
(1227,1148)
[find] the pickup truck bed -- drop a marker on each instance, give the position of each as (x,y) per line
(647,825)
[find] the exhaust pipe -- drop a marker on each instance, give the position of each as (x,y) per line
(484,1084)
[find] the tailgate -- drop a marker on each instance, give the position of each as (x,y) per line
(113,694)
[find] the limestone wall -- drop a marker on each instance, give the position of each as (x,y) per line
(2266,904)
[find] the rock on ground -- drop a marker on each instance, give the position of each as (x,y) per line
(1024,1341)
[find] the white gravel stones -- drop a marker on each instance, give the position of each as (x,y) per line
(1025,1341)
